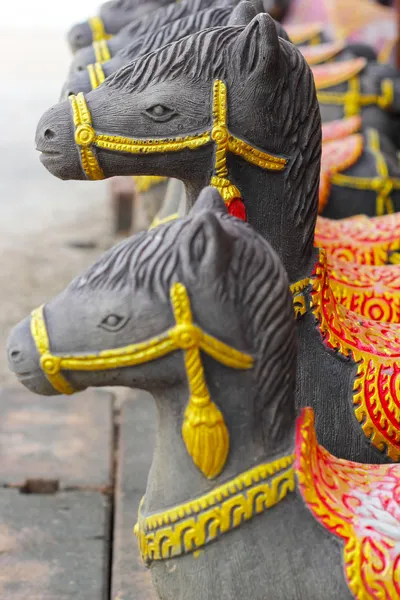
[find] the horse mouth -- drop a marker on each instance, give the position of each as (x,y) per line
(48,153)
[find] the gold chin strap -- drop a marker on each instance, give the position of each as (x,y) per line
(87,138)
(204,430)
(98,30)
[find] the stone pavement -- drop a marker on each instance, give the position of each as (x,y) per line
(72,473)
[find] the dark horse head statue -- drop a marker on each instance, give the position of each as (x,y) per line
(140,316)
(94,74)
(231,106)
(113,16)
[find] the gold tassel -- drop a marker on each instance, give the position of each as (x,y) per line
(206,436)
(228,190)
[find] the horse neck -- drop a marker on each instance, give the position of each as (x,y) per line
(268,211)
(173,478)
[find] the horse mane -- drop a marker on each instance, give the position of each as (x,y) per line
(189,56)
(179,28)
(254,280)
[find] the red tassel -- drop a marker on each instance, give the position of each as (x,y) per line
(237,209)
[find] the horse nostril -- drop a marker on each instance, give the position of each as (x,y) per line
(15,354)
(49,134)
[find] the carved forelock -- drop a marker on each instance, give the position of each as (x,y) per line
(255,281)
(177,29)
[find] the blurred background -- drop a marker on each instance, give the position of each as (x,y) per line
(49,229)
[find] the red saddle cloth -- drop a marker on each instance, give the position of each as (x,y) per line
(358,503)
(321,53)
(336,130)
(329,75)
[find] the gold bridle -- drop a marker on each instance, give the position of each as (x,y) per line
(204,431)
(87,139)
(98,29)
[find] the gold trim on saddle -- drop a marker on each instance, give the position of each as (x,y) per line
(352,100)
(357,503)
(321,53)
(204,430)
(375,348)
(87,138)
(307,33)
(382,183)
(191,526)
(98,29)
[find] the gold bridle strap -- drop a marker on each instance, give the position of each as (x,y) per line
(86,138)
(101,51)
(383,184)
(353,100)
(98,30)
(96,75)
(204,431)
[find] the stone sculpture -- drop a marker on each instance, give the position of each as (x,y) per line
(113,16)
(241,500)
(219,107)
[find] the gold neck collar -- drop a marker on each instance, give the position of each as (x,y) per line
(191,526)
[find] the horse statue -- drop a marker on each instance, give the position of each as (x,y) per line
(358,87)
(95,74)
(113,16)
(222,106)
(241,500)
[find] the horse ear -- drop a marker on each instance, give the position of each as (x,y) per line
(242,14)
(209,200)
(257,48)
(206,249)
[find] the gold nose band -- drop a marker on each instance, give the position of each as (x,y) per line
(204,431)
(87,139)
(98,30)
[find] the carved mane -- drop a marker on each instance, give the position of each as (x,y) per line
(254,280)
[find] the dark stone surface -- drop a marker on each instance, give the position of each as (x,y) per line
(54,547)
(62,438)
(130,579)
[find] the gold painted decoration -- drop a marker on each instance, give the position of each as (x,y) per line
(382,183)
(219,134)
(358,503)
(375,348)
(101,51)
(337,156)
(96,75)
(204,431)
(189,527)
(298,290)
(322,53)
(352,100)
(307,33)
(341,128)
(98,29)
(144,183)
(162,220)
(360,239)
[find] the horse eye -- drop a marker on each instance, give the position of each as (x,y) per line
(158,112)
(111,322)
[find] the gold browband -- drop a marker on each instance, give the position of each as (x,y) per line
(189,527)
(87,138)
(353,100)
(204,431)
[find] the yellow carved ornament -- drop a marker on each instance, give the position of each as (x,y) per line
(357,503)
(98,30)
(330,75)
(219,135)
(375,348)
(204,431)
(144,183)
(101,51)
(382,183)
(96,75)
(189,527)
